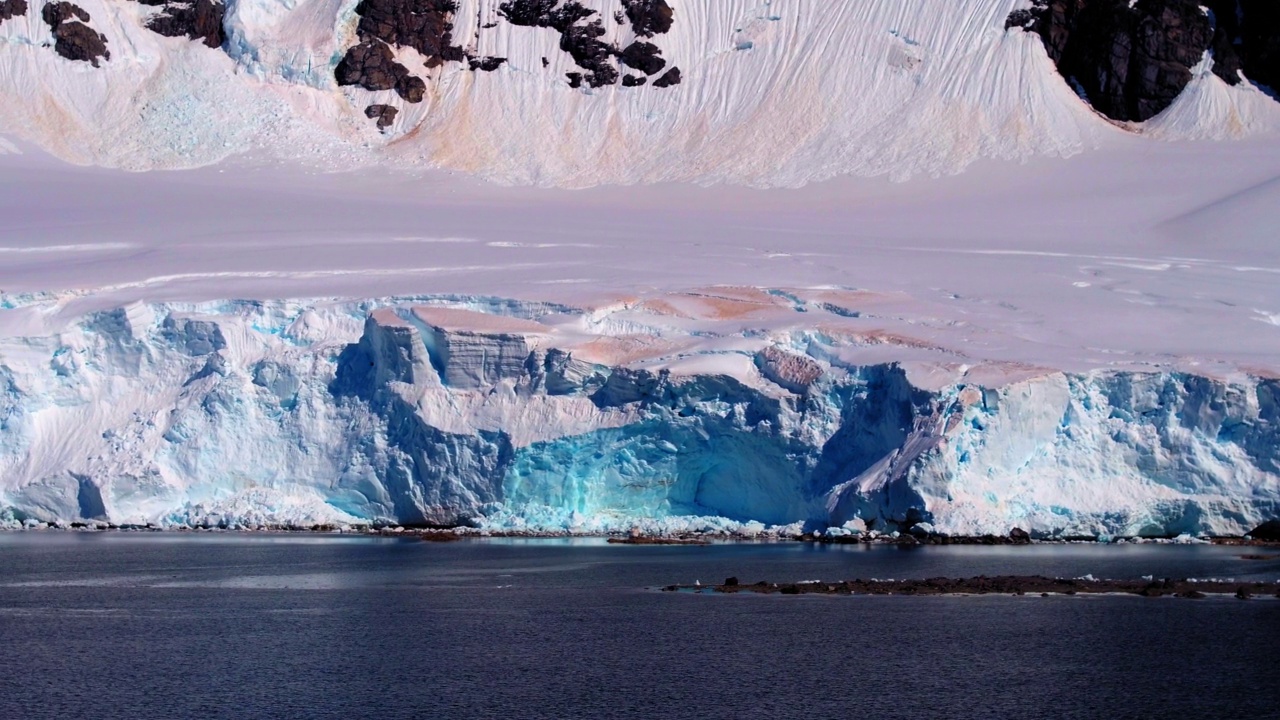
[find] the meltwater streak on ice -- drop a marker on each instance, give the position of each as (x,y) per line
(446,410)
(774,94)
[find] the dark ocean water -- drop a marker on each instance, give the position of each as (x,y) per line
(178,626)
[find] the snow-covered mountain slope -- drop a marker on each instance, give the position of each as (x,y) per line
(448,410)
(772,92)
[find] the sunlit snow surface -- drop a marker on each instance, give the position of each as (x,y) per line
(775,92)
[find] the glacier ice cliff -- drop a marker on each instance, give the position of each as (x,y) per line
(455,410)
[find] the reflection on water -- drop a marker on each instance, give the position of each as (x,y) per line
(188,625)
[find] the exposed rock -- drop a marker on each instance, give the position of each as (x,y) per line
(424,25)
(1246,40)
(12,8)
(643,56)
(200,20)
(1130,59)
(1269,531)
(384,114)
(633,80)
(74,39)
(486,64)
(669,78)
(1019,536)
(372,66)
(581,30)
(56,13)
(648,17)
(583,44)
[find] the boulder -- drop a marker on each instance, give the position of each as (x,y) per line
(669,78)
(384,114)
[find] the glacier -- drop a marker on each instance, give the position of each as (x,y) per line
(1054,320)
(453,410)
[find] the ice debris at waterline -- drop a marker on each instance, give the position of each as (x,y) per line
(526,416)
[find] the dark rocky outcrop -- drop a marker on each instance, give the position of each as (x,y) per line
(1131,59)
(633,80)
(581,30)
(424,25)
(1268,531)
(486,64)
(643,56)
(583,44)
(199,20)
(12,9)
(73,38)
(372,66)
(1246,40)
(384,114)
(648,17)
(669,78)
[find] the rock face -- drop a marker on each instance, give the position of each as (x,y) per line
(669,78)
(1130,60)
(74,39)
(372,66)
(1269,531)
(1246,40)
(580,31)
(199,20)
(384,114)
(12,8)
(643,56)
(423,25)
(649,17)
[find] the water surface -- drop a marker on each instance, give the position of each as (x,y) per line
(317,626)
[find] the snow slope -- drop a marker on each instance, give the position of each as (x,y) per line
(779,92)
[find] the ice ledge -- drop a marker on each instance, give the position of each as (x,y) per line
(503,415)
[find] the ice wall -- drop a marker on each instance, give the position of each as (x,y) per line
(328,412)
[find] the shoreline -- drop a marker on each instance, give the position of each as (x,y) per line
(434,534)
(1017,585)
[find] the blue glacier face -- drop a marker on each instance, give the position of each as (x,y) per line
(252,414)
